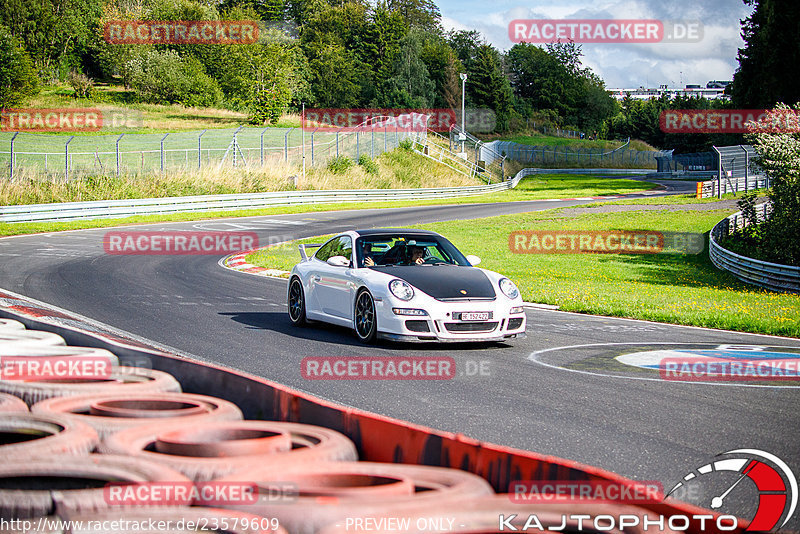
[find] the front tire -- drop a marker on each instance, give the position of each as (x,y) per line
(297,303)
(365,321)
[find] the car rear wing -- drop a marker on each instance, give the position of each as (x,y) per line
(303,249)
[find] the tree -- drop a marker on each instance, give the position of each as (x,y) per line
(335,78)
(770,54)
(17,78)
(552,78)
(487,85)
(56,33)
(381,47)
(465,44)
(410,86)
(422,13)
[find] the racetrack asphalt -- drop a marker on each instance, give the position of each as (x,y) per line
(643,429)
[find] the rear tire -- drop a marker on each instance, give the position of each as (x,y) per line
(297,303)
(364,320)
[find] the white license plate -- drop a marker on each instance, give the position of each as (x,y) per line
(475,316)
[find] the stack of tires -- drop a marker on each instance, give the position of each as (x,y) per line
(73,446)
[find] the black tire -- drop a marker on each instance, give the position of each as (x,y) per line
(297,303)
(365,322)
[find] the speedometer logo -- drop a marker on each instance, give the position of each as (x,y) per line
(774,481)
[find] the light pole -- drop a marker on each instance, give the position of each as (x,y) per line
(463,94)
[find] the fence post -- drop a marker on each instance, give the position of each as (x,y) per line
(719,171)
(12,155)
(312,145)
(746,167)
(66,158)
(357,132)
(162,153)
(384,138)
(286,145)
(199,150)
(117,145)
(337,142)
(372,147)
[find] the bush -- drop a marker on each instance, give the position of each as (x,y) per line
(167,78)
(369,166)
(82,84)
(18,79)
(340,164)
(779,156)
(406,144)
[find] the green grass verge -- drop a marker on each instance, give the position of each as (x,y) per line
(680,289)
(533,188)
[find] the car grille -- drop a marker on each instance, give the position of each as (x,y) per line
(417,326)
(514,323)
(486,326)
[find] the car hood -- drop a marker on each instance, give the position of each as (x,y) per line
(443,281)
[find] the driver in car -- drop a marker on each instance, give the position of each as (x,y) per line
(417,256)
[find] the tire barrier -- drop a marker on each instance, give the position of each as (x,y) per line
(212,449)
(134,409)
(7,325)
(485,514)
(26,352)
(324,493)
(119,380)
(11,403)
(176,520)
(28,435)
(44,486)
(28,338)
(311,496)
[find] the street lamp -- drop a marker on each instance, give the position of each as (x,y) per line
(463,94)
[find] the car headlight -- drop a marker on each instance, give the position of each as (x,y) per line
(401,289)
(508,288)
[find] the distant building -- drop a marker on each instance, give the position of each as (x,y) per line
(713,90)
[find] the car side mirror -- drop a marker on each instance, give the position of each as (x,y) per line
(473,260)
(338,261)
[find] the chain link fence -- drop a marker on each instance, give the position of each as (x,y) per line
(569,156)
(75,156)
(737,171)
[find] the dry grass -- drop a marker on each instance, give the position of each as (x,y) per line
(399,169)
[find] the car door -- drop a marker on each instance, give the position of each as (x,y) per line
(332,284)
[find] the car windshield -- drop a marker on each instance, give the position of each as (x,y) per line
(407,249)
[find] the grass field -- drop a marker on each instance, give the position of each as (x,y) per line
(681,289)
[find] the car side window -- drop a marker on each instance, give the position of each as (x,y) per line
(324,251)
(343,247)
(339,246)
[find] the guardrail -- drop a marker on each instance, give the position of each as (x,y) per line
(773,276)
(66,211)
(101,209)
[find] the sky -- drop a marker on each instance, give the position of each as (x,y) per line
(623,65)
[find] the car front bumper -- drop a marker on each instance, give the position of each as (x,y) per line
(443,322)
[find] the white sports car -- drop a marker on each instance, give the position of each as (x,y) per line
(405,285)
